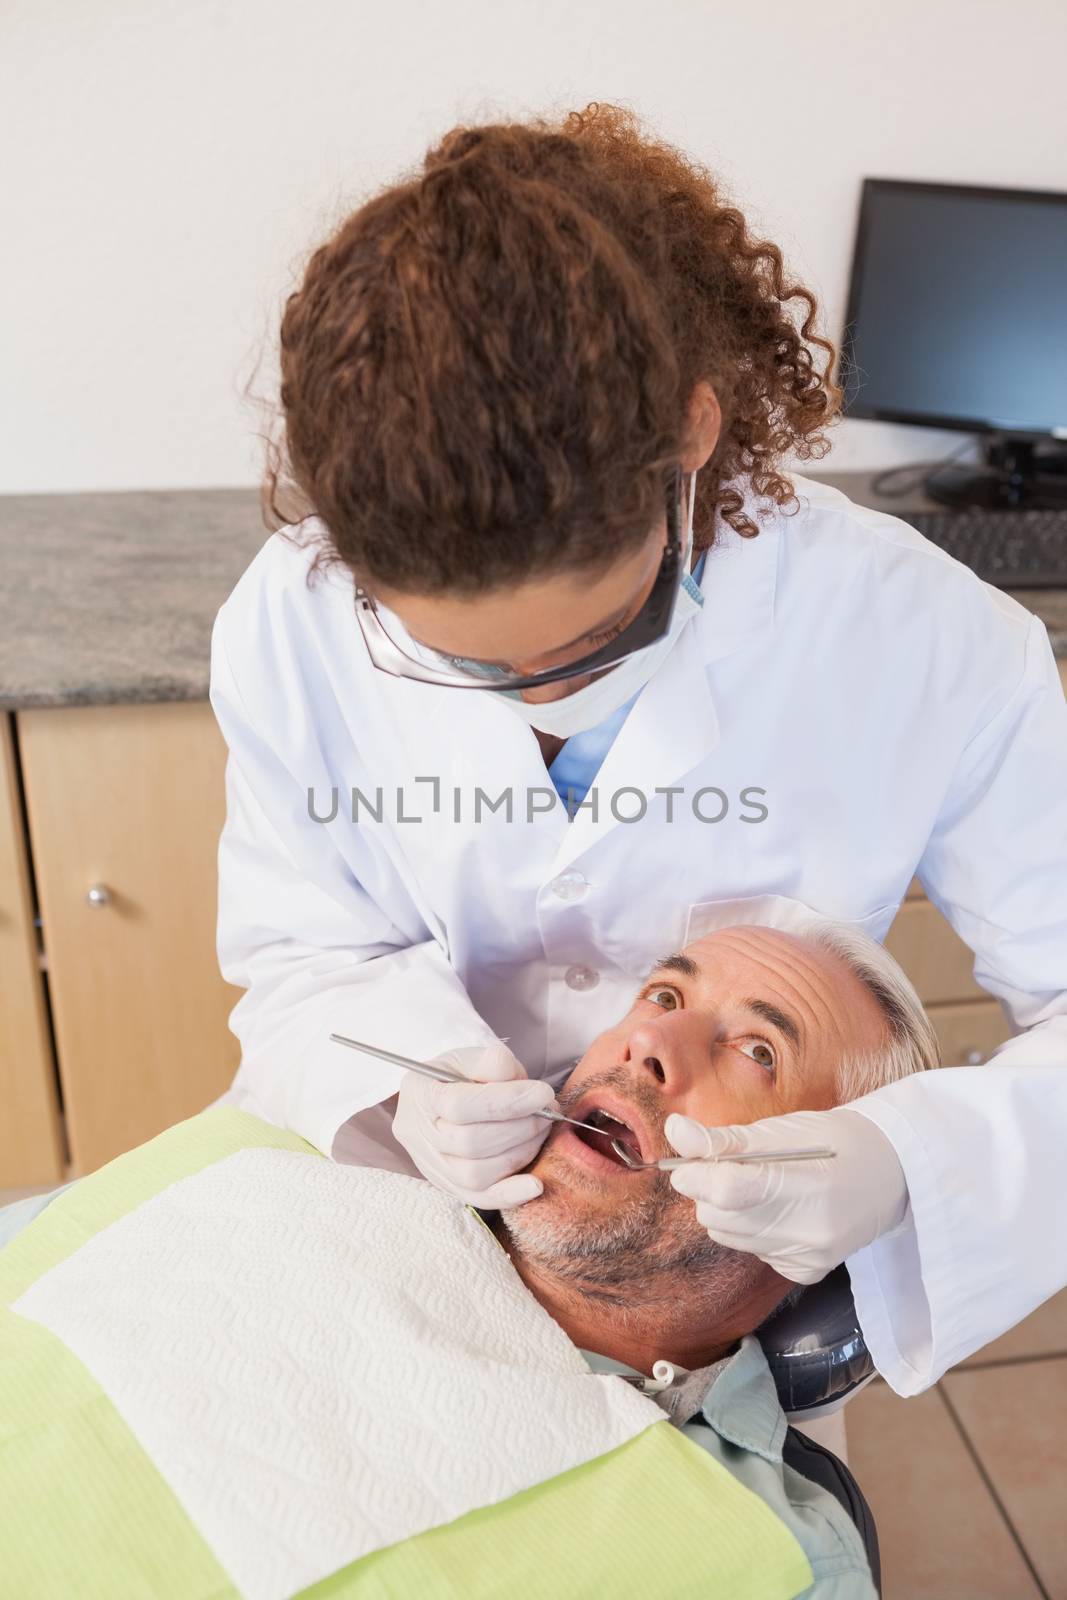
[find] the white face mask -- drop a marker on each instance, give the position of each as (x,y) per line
(585,708)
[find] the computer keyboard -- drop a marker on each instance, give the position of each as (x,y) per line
(1011,549)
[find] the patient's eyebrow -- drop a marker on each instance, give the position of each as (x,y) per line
(677,963)
(786,1025)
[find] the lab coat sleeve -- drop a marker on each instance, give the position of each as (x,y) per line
(983,1147)
(316,949)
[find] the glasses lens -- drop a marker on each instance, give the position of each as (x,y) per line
(436,661)
(431,665)
(648,624)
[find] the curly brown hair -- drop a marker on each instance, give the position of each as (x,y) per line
(485,372)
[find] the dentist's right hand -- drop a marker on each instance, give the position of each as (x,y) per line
(473,1139)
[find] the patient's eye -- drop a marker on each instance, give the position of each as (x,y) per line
(761,1053)
(663,994)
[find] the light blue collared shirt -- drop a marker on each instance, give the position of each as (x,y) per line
(742,1424)
(581,758)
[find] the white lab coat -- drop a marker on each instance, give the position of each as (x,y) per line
(897,716)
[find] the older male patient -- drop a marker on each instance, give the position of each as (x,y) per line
(746,1023)
(742,1024)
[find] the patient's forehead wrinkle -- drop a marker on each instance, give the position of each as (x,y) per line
(810,983)
(827,993)
(792,965)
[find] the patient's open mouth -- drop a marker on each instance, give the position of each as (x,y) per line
(608,1128)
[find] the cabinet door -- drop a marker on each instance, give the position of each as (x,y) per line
(30,1146)
(125,808)
(933,955)
(969,1033)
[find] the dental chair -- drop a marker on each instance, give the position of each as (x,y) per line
(818,1358)
(816,1350)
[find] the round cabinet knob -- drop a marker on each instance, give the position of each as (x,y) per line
(99,895)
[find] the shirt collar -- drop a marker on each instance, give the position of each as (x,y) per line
(740,1401)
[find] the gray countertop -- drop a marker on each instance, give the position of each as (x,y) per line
(110,598)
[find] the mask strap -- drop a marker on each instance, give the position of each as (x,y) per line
(692,504)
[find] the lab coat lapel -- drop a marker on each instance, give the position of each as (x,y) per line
(674,725)
(473,742)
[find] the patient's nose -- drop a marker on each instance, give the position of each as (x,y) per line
(673,1049)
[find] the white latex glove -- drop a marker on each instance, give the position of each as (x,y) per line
(801,1217)
(469,1138)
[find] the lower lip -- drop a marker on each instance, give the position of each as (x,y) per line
(575,1146)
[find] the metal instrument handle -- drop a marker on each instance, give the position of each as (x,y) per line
(443,1075)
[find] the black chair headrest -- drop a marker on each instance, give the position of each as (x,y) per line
(815,1347)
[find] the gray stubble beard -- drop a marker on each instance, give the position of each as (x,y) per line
(651,1255)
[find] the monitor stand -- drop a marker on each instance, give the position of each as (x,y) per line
(1015,478)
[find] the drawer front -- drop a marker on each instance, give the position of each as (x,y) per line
(932,954)
(969,1033)
(125,806)
(30,1145)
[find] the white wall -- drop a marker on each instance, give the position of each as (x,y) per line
(167,165)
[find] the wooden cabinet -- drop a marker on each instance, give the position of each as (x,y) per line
(968,1021)
(935,958)
(31,1149)
(969,1032)
(125,805)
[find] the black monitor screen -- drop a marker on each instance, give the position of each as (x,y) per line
(958,308)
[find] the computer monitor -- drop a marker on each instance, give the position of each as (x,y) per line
(957,318)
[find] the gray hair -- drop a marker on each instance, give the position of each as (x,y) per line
(913,1045)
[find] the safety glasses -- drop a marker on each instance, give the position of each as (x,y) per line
(394,650)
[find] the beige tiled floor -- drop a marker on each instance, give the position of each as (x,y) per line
(968,1483)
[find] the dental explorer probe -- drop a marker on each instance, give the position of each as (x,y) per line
(447,1075)
(444,1075)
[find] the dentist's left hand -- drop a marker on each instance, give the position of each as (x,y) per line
(802,1218)
(473,1139)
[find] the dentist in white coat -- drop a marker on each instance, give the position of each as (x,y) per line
(559,663)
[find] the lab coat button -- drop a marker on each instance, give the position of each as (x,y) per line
(569,885)
(581,978)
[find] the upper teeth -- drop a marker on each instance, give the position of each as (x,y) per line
(598,1118)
